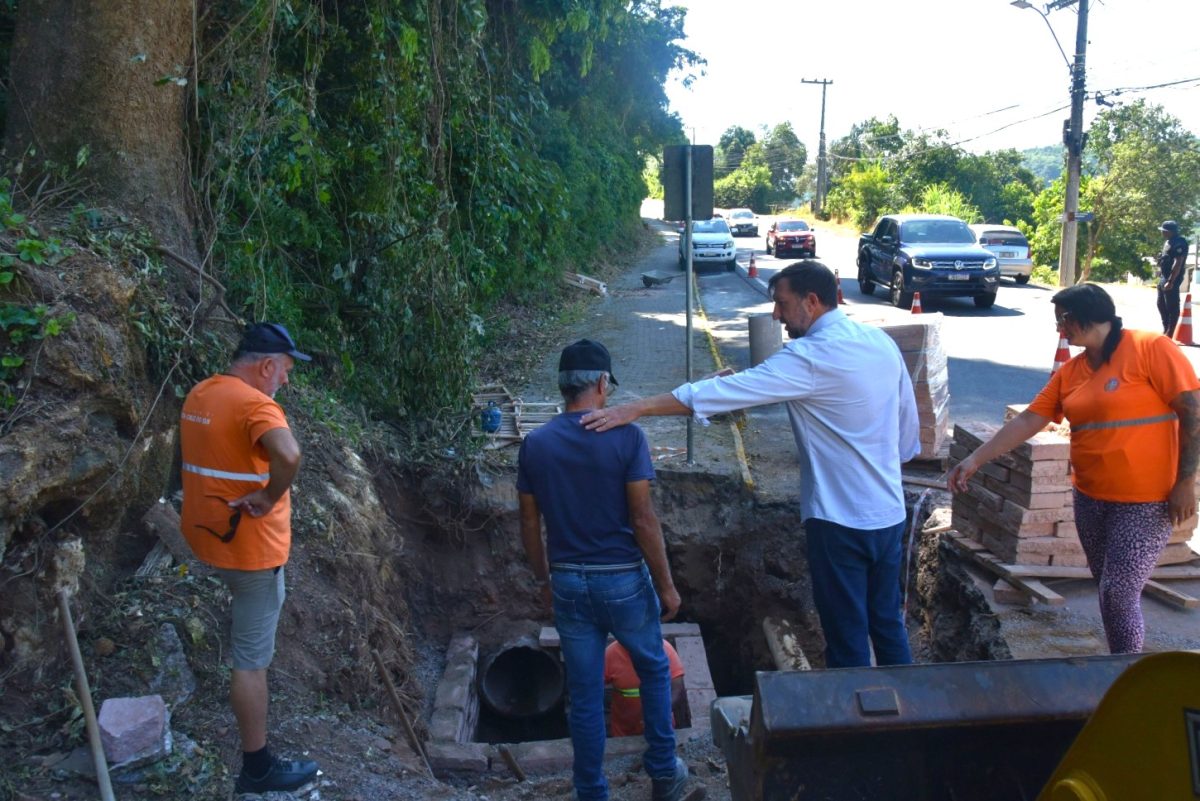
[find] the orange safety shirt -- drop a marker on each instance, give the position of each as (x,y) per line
(625,712)
(1124,434)
(220,427)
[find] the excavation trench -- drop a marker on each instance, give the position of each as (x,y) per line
(736,562)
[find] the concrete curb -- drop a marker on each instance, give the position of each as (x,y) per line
(756,283)
(738,446)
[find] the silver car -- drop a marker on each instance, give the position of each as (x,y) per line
(1011,249)
(743,221)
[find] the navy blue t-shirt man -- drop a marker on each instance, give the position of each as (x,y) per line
(598,568)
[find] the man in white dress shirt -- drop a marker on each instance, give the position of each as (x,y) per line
(851,406)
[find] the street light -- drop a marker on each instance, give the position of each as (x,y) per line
(1046,18)
(1073,136)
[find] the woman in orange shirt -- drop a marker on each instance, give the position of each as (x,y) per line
(1133,403)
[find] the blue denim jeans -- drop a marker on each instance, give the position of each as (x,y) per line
(856,586)
(589,604)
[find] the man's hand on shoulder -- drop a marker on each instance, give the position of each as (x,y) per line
(610,417)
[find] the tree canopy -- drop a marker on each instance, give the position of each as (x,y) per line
(380,176)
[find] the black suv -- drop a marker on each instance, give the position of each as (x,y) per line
(932,254)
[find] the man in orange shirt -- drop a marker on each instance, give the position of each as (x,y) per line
(625,706)
(239,461)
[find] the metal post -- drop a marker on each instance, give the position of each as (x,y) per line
(687,248)
(766,337)
(1074,142)
(822,170)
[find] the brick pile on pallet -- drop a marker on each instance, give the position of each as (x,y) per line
(920,344)
(1020,507)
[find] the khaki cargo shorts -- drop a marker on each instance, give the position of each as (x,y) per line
(257,598)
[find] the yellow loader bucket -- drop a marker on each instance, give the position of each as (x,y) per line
(1143,740)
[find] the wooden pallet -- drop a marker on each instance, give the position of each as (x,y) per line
(592,285)
(1027,578)
(517,417)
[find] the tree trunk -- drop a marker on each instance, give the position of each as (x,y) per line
(84,74)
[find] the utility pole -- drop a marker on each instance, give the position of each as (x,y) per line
(819,199)
(1073,138)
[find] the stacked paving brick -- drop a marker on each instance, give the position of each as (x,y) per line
(1020,508)
(920,344)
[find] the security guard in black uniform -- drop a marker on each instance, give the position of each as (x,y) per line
(1171,266)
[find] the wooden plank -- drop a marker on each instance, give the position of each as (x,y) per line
(1039,590)
(585,282)
(548,636)
(1167,595)
(1062,571)
(924,482)
(157,561)
(987,560)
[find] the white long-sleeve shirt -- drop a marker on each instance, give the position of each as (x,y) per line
(850,401)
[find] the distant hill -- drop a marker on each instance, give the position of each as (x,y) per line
(1044,162)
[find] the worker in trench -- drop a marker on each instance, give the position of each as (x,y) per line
(853,414)
(600,566)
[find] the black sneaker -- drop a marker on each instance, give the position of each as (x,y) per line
(670,789)
(284,775)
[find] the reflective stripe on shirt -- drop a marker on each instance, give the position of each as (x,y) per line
(634,692)
(208,472)
(1138,421)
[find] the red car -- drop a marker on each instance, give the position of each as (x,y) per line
(792,237)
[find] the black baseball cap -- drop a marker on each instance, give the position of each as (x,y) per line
(1170,226)
(586,355)
(270,338)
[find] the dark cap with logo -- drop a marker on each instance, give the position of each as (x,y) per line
(1170,226)
(270,338)
(586,355)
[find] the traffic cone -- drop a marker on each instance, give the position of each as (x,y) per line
(916,307)
(1183,330)
(838,278)
(752,270)
(1061,356)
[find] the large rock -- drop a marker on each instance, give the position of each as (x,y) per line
(134,728)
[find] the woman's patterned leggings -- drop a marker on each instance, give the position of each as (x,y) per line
(1123,542)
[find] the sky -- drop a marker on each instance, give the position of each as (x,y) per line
(986,72)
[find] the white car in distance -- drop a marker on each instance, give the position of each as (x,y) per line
(712,243)
(743,221)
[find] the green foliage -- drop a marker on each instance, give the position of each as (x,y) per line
(652,177)
(381,174)
(785,156)
(1147,170)
(1045,231)
(993,186)
(1045,162)
(941,199)
(862,195)
(870,140)
(747,186)
(1044,275)
(21,323)
(731,150)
